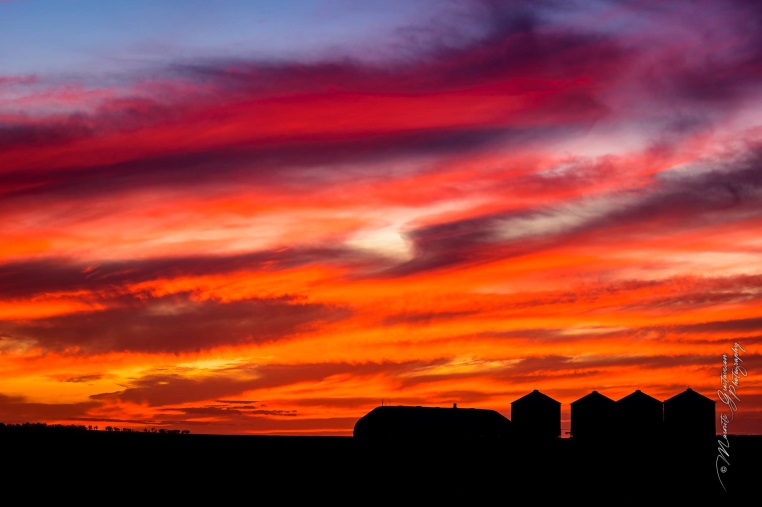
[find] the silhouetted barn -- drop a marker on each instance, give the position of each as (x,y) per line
(593,417)
(639,415)
(430,425)
(690,415)
(536,416)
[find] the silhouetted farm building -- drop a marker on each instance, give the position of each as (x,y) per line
(593,417)
(690,415)
(639,415)
(536,416)
(431,425)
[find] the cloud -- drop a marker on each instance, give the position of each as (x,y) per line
(177,388)
(14,80)
(109,279)
(730,189)
(174,323)
(725,66)
(17,409)
(307,162)
(250,120)
(753,324)
(424,318)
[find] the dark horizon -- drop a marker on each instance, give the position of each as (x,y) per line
(184,465)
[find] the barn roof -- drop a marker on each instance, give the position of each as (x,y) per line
(638,398)
(417,418)
(536,398)
(689,397)
(593,399)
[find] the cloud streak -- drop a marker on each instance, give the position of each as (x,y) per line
(175,323)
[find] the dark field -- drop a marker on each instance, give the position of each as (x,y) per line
(109,468)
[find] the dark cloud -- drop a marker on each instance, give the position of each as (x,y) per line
(227,410)
(424,318)
(446,244)
(17,409)
(512,53)
(173,389)
(176,323)
(289,164)
(727,65)
(650,362)
(84,378)
(753,324)
(734,331)
(516,41)
(43,135)
(501,40)
(693,293)
(721,192)
(729,188)
(542,368)
(539,364)
(110,279)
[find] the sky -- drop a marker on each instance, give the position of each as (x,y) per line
(271,217)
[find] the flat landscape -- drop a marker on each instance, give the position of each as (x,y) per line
(77,464)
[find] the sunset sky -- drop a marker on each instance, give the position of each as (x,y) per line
(272,216)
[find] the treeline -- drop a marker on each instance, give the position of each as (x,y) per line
(70,428)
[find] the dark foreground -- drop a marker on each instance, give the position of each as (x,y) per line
(104,468)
